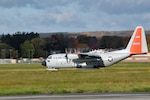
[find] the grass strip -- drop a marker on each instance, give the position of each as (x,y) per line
(17,79)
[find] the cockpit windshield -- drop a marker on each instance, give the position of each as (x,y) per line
(49,57)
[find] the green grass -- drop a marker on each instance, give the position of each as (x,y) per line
(35,79)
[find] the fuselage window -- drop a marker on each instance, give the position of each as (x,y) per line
(50,57)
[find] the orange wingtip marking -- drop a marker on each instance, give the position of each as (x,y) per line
(137,42)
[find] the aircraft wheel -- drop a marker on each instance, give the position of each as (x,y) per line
(79,66)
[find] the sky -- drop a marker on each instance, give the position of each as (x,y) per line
(45,16)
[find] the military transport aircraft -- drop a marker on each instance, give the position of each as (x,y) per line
(137,45)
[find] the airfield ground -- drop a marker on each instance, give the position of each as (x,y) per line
(16,79)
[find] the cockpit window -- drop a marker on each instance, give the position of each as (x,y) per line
(49,57)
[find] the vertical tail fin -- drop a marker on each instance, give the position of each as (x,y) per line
(137,43)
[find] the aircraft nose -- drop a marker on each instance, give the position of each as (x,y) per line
(44,63)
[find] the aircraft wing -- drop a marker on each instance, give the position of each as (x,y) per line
(88,55)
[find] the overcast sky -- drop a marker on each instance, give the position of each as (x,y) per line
(73,15)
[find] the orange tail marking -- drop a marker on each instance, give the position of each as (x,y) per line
(136,44)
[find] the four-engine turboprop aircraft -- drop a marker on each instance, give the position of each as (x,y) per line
(137,45)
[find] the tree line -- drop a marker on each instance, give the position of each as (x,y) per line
(31,45)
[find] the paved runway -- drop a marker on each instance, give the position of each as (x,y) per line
(97,96)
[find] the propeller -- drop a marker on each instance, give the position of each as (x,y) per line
(66,56)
